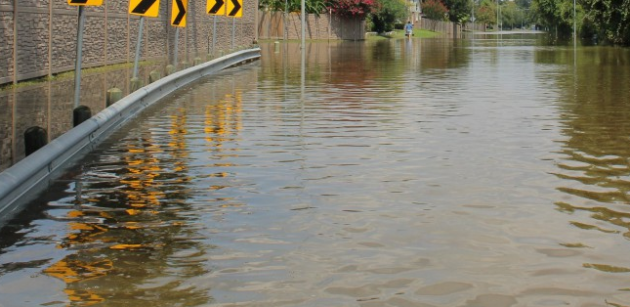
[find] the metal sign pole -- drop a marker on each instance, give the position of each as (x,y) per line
(214,33)
(138,46)
(77,65)
(303,12)
(175,51)
(233,31)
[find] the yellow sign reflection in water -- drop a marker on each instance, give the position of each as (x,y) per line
(223,119)
(145,177)
(72,271)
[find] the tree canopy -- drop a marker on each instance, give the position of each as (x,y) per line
(387,13)
(608,18)
(459,10)
(434,9)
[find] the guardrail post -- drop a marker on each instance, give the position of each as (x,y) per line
(154,75)
(113,95)
(81,114)
(170,69)
(34,139)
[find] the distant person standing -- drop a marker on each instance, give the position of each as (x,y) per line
(409,29)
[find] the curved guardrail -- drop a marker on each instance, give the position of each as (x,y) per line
(22,181)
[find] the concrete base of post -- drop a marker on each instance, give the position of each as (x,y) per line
(134,84)
(113,95)
(34,139)
(81,114)
(170,69)
(154,75)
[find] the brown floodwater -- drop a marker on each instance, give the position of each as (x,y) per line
(431,172)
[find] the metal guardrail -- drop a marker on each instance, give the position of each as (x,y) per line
(24,180)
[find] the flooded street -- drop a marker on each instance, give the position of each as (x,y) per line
(433,172)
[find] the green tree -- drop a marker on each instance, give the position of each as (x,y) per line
(511,14)
(387,13)
(458,10)
(486,12)
(555,14)
(434,10)
(608,18)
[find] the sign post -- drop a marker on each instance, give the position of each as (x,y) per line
(80,26)
(215,7)
(234,9)
(77,63)
(142,8)
(178,19)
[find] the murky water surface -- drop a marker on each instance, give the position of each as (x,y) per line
(424,173)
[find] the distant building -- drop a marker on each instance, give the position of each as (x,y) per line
(415,10)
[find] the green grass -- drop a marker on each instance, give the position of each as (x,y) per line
(397,34)
(417,33)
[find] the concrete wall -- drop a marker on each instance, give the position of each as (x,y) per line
(38,37)
(277,25)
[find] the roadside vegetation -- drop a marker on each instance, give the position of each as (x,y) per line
(381,15)
(598,21)
(606,21)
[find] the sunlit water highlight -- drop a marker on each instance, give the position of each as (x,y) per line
(401,173)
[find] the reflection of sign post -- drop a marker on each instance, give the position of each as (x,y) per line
(178,17)
(85,2)
(216,7)
(235,8)
(147,8)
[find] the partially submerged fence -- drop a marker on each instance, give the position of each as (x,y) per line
(450,29)
(280,25)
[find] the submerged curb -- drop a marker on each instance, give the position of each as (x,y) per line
(22,181)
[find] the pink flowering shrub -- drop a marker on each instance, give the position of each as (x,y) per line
(356,8)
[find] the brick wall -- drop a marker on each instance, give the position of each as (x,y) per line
(39,36)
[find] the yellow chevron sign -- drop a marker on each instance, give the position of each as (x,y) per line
(147,8)
(235,8)
(178,15)
(85,2)
(216,7)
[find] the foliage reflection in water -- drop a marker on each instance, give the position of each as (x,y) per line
(491,172)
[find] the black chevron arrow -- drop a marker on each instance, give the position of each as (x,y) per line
(143,6)
(236,8)
(79,1)
(218,5)
(181,14)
